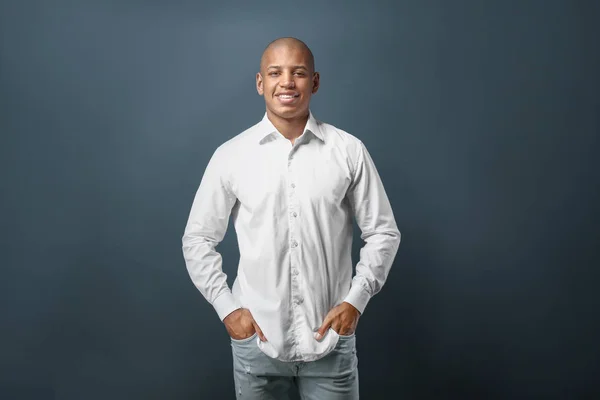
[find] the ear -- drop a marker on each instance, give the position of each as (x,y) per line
(259,84)
(316,82)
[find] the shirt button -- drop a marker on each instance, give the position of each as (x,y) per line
(294,244)
(294,214)
(293,185)
(300,300)
(295,271)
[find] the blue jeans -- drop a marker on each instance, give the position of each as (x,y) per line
(258,376)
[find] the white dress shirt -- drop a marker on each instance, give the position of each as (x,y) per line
(292,208)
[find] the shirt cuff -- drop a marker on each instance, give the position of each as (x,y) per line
(225,304)
(358,297)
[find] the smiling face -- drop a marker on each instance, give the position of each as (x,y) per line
(287,80)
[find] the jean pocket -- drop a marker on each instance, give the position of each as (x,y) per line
(350,336)
(243,341)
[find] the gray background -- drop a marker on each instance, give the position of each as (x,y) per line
(481,116)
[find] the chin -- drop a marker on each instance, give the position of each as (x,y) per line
(289,112)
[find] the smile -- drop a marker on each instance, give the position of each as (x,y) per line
(287,99)
(287,96)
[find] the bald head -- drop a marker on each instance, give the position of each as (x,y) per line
(287,80)
(289,43)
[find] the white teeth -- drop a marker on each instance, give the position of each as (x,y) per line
(286,96)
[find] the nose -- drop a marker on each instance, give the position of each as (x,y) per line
(287,81)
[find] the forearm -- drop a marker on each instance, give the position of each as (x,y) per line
(204,265)
(373,267)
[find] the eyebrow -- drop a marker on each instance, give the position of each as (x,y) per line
(293,67)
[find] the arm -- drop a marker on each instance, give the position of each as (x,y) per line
(205,229)
(375,218)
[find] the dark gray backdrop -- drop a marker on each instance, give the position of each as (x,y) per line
(481,116)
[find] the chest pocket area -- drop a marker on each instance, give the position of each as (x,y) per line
(259,185)
(330,179)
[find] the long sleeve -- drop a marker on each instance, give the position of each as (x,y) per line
(375,218)
(205,229)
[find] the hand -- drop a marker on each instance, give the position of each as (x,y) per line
(241,325)
(342,319)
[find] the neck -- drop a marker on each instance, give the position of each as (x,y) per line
(291,128)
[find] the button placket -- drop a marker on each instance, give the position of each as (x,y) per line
(294,255)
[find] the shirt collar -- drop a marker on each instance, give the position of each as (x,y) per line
(266,128)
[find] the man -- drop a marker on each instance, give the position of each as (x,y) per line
(292,185)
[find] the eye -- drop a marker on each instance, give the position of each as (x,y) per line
(273,73)
(299,73)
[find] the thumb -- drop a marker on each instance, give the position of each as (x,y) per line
(324,327)
(259,331)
